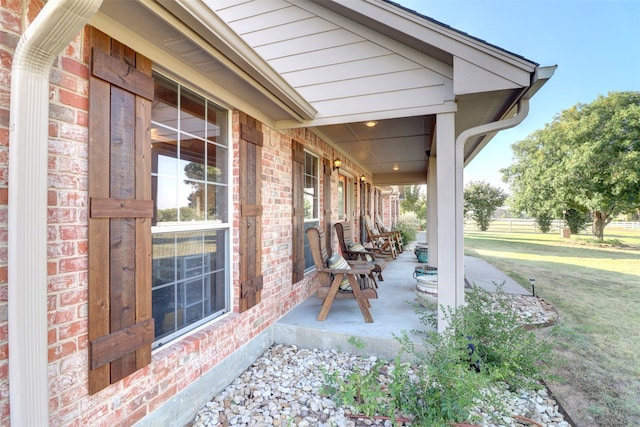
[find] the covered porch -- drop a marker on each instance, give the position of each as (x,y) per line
(393,312)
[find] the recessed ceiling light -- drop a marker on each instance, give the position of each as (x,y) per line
(396,167)
(371,124)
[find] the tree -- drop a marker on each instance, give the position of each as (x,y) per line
(415,201)
(481,200)
(587,161)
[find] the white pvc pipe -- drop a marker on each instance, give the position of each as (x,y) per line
(52,30)
(523,111)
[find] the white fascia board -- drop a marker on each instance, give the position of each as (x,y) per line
(242,55)
(430,32)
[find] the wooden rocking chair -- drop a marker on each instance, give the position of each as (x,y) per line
(355,251)
(384,241)
(396,235)
(331,279)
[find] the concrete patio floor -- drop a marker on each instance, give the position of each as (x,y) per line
(393,312)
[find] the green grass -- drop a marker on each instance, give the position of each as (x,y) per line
(596,290)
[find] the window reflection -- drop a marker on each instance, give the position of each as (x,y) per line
(189,179)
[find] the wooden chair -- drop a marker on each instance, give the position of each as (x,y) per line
(383,241)
(331,278)
(343,230)
(396,234)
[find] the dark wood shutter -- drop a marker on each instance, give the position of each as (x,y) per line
(326,204)
(297,189)
(250,213)
(121,328)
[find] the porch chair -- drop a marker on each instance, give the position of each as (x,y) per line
(340,279)
(383,241)
(355,251)
(396,234)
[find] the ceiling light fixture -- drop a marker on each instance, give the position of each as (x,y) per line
(370,124)
(396,167)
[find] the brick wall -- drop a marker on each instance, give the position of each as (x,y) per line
(173,367)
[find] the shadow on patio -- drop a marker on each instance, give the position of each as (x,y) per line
(392,312)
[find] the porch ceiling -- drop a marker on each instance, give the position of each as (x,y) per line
(331,66)
(394,151)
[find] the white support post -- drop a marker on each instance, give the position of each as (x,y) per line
(450,244)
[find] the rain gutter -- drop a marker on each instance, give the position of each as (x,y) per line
(54,28)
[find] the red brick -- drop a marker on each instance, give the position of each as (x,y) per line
(73,329)
(73,232)
(74,67)
(53,130)
(73,264)
(82,247)
(73,99)
(73,297)
(52,336)
(52,268)
(73,198)
(59,250)
(61,350)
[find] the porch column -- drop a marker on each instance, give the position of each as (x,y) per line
(432,212)
(450,251)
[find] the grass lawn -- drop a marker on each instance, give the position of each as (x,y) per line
(596,290)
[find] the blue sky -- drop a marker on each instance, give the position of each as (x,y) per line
(595,44)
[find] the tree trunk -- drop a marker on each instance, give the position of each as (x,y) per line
(600,221)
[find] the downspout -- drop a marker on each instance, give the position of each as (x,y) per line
(523,111)
(53,29)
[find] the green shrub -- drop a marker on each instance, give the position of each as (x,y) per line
(483,345)
(408,226)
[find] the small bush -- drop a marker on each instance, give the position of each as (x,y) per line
(482,346)
(408,226)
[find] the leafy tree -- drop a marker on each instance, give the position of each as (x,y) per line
(415,201)
(481,200)
(586,160)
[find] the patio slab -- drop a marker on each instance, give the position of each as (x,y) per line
(392,312)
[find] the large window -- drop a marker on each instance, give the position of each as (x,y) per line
(190,189)
(311,202)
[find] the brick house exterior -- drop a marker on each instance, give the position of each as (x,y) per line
(174,369)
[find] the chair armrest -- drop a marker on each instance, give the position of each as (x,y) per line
(364,269)
(361,254)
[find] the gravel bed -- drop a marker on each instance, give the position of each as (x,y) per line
(281,388)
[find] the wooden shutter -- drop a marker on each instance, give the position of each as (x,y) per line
(298,210)
(326,204)
(121,328)
(250,213)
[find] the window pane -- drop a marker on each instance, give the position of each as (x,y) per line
(341,199)
(217,125)
(192,201)
(164,153)
(217,170)
(217,203)
(165,103)
(189,279)
(164,191)
(192,107)
(192,159)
